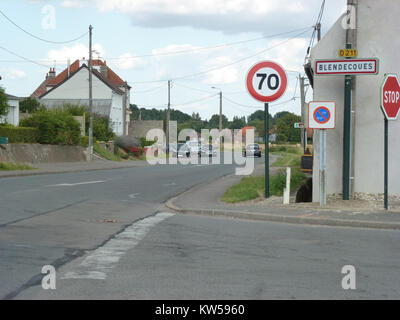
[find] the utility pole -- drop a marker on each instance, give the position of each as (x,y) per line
(90,96)
(168,116)
(220,111)
(303,114)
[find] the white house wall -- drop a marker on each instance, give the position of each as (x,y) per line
(77,87)
(377,37)
(116,115)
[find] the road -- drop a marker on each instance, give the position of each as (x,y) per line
(109,237)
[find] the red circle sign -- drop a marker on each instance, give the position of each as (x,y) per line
(322,115)
(266,81)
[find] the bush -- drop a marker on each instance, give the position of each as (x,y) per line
(101,129)
(29,105)
(84,141)
(55,127)
(19,134)
(146,143)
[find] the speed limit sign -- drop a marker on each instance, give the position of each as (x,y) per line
(266,81)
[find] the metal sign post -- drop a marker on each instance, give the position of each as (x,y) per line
(266,81)
(322,116)
(322,167)
(390,104)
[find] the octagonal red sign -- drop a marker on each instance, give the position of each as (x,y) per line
(390,96)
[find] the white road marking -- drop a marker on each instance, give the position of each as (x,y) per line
(103,260)
(73,184)
(133,195)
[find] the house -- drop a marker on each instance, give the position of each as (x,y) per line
(110,94)
(12,116)
(373,37)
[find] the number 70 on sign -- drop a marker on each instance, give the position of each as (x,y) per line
(266,81)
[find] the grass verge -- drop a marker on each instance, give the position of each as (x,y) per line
(250,188)
(104,153)
(9,166)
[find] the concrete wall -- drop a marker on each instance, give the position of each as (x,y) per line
(139,128)
(377,25)
(39,153)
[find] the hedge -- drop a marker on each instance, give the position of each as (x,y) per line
(55,127)
(20,134)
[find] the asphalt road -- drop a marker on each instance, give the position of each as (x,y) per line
(52,219)
(108,236)
(192,257)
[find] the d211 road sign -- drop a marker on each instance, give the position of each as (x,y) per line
(266,81)
(390,96)
(322,115)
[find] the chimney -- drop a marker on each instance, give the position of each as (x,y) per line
(52,73)
(104,71)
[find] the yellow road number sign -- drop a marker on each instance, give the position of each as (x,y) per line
(348,53)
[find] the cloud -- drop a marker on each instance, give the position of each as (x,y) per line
(228,16)
(13,74)
(127,61)
(77,51)
(73,3)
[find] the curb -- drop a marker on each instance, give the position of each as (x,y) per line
(283,218)
(14,174)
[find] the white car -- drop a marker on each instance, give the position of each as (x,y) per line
(194,147)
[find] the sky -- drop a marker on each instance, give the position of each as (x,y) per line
(198,44)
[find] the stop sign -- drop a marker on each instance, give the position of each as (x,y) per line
(390,96)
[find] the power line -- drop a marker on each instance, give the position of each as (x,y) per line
(27,59)
(38,38)
(227,65)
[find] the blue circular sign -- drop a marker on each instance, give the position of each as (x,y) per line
(322,115)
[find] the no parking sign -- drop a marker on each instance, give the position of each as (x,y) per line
(322,115)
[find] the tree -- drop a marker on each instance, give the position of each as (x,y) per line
(285,128)
(3,102)
(237,123)
(214,122)
(279,115)
(29,105)
(258,115)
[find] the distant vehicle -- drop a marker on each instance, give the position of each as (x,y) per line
(180,150)
(252,150)
(194,147)
(207,150)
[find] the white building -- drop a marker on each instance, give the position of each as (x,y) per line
(110,94)
(376,36)
(12,116)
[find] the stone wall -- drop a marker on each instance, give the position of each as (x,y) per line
(139,128)
(39,153)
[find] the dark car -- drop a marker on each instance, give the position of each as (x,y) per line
(252,150)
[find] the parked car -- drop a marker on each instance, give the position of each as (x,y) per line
(180,150)
(194,147)
(252,150)
(207,150)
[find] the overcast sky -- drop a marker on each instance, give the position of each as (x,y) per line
(208,34)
